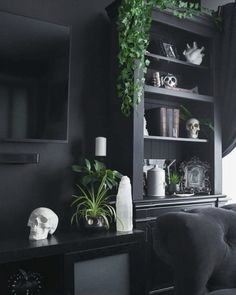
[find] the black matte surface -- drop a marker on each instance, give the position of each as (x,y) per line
(54,258)
(20,249)
(51,183)
(34,77)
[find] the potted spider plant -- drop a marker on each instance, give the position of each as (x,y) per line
(92,205)
(174,180)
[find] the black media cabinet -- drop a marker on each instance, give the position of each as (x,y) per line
(79,263)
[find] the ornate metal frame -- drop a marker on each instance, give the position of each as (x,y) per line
(195,177)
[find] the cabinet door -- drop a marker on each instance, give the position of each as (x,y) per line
(101,271)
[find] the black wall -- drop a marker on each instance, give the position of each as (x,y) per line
(51,182)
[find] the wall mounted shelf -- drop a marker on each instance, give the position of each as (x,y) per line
(175,139)
(177,61)
(177,94)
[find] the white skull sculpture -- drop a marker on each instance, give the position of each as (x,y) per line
(42,221)
(193,127)
(170,81)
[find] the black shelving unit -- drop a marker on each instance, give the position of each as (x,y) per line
(129,147)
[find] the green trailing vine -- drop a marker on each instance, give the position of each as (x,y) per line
(134,23)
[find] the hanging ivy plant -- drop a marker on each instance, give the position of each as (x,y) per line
(134,23)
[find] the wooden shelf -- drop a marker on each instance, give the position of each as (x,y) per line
(177,61)
(175,139)
(178,94)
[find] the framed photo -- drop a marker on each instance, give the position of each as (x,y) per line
(195,176)
(168,49)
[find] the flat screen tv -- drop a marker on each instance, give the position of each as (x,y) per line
(34,78)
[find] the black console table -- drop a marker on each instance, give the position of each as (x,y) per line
(79,263)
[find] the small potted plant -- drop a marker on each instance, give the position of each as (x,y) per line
(92,206)
(174,180)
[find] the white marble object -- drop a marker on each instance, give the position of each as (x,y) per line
(124,206)
(194,54)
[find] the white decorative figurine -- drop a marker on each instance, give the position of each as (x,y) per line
(145,131)
(169,81)
(193,128)
(42,221)
(194,54)
(124,206)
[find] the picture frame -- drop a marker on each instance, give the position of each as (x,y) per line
(195,177)
(169,49)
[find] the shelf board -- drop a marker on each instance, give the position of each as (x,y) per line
(177,61)
(178,94)
(148,202)
(198,140)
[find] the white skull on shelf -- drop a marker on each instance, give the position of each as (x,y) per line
(170,81)
(193,127)
(42,221)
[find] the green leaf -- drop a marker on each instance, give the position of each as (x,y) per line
(77,168)
(99,166)
(87,179)
(88,165)
(105,219)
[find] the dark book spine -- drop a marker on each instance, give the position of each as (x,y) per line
(163,124)
(176,122)
(169,120)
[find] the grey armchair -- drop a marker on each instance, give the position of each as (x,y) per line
(200,245)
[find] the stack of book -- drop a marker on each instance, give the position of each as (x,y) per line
(163,121)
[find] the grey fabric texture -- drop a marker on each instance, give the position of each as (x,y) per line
(200,245)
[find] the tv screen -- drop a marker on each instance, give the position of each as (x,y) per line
(34,76)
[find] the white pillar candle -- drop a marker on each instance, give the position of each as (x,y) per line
(100,147)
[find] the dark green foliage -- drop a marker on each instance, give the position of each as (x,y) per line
(92,200)
(93,173)
(134,23)
(174,178)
